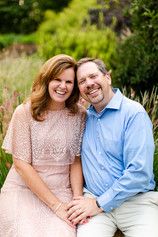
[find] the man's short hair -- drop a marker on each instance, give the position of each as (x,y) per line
(100,64)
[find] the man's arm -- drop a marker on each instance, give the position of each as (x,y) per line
(138,154)
(138,150)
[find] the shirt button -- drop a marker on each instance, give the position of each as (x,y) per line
(102,167)
(99,152)
(98,119)
(106,185)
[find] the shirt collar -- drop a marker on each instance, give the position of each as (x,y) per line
(114,103)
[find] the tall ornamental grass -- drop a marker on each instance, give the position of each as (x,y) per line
(16,76)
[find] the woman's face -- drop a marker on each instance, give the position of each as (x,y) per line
(60,88)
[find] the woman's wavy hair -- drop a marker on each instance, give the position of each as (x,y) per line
(40,97)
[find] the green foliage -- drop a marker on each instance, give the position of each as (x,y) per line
(91,42)
(19,16)
(5,163)
(137,65)
(146,13)
(8,39)
(70,33)
(55,5)
(24,16)
(73,17)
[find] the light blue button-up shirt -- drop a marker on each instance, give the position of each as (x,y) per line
(117,152)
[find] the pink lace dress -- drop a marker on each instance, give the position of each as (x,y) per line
(50,147)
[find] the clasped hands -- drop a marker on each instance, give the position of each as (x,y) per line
(78,211)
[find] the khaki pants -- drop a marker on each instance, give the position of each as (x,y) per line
(137,217)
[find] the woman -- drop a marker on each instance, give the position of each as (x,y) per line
(44,138)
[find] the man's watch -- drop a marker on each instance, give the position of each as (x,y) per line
(98,204)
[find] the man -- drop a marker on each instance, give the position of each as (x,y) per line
(117,160)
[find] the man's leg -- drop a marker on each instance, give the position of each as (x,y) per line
(138,217)
(101,225)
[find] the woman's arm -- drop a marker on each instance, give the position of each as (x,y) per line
(76,177)
(38,187)
(35,183)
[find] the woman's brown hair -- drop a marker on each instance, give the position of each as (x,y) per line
(40,97)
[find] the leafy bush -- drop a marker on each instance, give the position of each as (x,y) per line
(69,32)
(21,16)
(73,17)
(137,65)
(91,42)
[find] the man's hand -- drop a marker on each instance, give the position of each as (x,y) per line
(81,208)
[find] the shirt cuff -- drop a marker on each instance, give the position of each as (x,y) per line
(107,201)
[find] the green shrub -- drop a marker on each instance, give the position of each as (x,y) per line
(90,42)
(70,33)
(72,17)
(24,16)
(137,64)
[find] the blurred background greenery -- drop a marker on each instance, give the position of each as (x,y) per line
(123,33)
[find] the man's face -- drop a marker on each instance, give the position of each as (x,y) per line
(95,87)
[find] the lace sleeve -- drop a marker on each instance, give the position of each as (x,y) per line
(18,139)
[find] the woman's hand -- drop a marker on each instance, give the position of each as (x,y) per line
(60,209)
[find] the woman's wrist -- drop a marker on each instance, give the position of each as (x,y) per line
(55,206)
(77,193)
